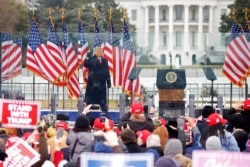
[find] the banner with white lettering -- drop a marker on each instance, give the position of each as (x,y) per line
(21,154)
(19,113)
(220,159)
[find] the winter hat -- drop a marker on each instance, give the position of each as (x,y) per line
(82,123)
(62,124)
(173,147)
(136,108)
(213,143)
(165,161)
(143,134)
(62,117)
(100,126)
(153,141)
(215,119)
(50,120)
(241,137)
(207,110)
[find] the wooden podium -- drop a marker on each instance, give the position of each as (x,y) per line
(171,84)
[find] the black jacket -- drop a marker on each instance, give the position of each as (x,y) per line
(137,125)
(98,80)
(239,120)
(133,148)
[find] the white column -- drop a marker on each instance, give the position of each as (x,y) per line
(156,35)
(186,28)
(210,23)
(200,28)
(170,28)
(146,26)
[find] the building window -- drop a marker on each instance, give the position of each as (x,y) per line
(193,14)
(133,15)
(151,15)
(164,12)
(223,11)
(193,35)
(178,13)
(178,39)
(206,15)
(164,38)
(223,39)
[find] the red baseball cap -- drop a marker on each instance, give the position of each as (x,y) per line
(163,121)
(99,125)
(62,124)
(246,104)
(214,119)
(136,108)
(143,134)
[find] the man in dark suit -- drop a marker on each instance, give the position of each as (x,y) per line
(98,79)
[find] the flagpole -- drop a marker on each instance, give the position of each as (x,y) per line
(246,10)
(1,64)
(111,37)
(62,10)
(123,10)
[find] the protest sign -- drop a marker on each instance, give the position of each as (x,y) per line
(220,159)
(19,113)
(21,154)
(117,160)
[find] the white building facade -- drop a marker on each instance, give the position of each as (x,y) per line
(184,27)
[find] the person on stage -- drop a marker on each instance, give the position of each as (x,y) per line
(98,79)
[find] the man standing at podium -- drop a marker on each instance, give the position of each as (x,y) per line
(98,79)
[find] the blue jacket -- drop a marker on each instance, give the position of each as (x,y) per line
(229,143)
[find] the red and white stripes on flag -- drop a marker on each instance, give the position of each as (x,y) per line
(39,59)
(112,52)
(237,58)
(83,49)
(117,66)
(108,54)
(128,63)
(11,57)
(72,65)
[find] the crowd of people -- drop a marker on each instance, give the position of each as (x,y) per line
(60,145)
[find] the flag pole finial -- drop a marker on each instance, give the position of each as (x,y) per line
(233,11)
(95,12)
(79,13)
(124,11)
(50,11)
(62,10)
(33,9)
(110,11)
(246,11)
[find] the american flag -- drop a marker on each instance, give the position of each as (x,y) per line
(237,58)
(112,52)
(246,30)
(39,59)
(72,64)
(54,45)
(83,49)
(11,57)
(129,62)
(97,37)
